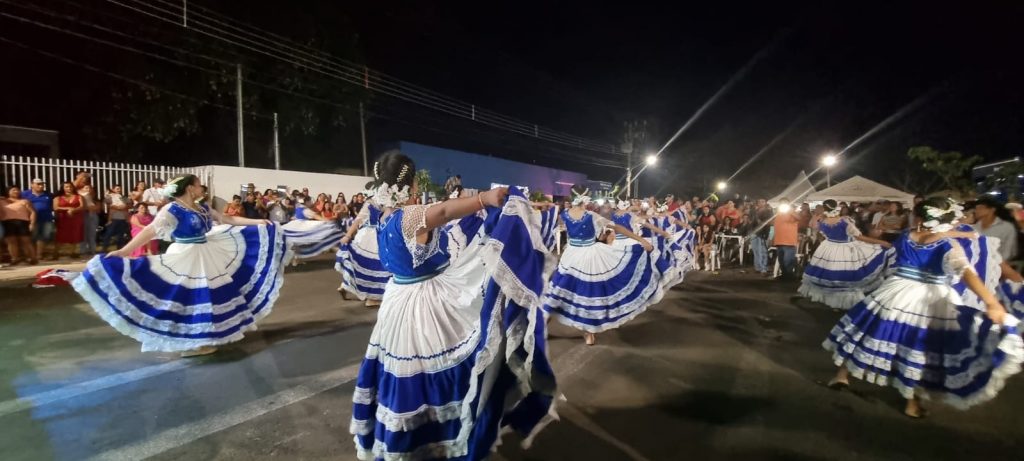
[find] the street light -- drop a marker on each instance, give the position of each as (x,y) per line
(652,159)
(828,161)
(721,186)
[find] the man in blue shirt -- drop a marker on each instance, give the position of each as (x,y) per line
(42,202)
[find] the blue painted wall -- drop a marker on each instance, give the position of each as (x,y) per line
(479,171)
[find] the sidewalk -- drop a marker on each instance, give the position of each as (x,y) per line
(14,275)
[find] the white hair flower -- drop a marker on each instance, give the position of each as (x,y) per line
(387,196)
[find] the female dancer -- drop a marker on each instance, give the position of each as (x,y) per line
(911,334)
(213,284)
(600,287)
(846,264)
(435,381)
(358,260)
(311,233)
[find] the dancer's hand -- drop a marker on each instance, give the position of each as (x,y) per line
(886,245)
(996,312)
(345,240)
(647,246)
(495,197)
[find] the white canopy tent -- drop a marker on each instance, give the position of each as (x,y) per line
(795,191)
(861,189)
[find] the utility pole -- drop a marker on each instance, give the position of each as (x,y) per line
(362,132)
(277,146)
(238,104)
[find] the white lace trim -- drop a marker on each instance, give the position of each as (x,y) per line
(414,219)
(152,342)
(634,281)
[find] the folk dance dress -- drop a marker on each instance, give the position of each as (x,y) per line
(458,350)
(310,237)
(212,284)
(358,261)
(664,260)
(914,334)
(600,287)
(843,269)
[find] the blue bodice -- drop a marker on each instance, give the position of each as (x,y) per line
(374,215)
(410,262)
(581,232)
(837,232)
(648,233)
(922,262)
(624,220)
(300,213)
(191,227)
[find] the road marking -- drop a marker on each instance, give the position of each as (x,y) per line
(85,387)
(188,433)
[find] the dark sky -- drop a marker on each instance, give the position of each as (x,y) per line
(825,74)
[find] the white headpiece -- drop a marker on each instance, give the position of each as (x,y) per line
(935,215)
(454,194)
(581,198)
(833,213)
(171,188)
(623,205)
(389,196)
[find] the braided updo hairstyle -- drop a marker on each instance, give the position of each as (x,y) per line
(394,167)
(182,183)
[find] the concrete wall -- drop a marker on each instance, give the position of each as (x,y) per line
(480,171)
(228,180)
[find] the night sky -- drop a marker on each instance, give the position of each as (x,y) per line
(816,77)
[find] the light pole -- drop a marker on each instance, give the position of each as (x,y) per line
(828,161)
(651,160)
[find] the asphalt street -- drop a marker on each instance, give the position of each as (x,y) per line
(727,366)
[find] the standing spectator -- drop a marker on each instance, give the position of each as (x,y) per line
(205,200)
(892,223)
(235,207)
(251,207)
(990,224)
(727,211)
(90,220)
(19,219)
(786,226)
(82,178)
(139,221)
(153,198)
(42,203)
(69,208)
(450,184)
(136,195)
(117,219)
(278,209)
(672,203)
(760,228)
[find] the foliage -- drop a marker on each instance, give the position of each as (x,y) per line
(425,184)
(951,168)
(538,196)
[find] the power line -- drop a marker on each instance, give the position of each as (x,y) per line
(370,80)
(121,77)
(562,154)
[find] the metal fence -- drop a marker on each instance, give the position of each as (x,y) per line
(16,170)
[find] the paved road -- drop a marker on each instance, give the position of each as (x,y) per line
(726,367)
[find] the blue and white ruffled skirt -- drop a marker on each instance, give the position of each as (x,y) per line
(195,295)
(600,287)
(450,363)
(358,261)
(309,237)
(919,339)
(840,274)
